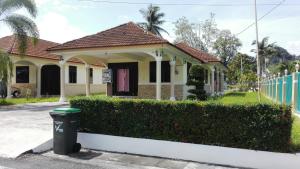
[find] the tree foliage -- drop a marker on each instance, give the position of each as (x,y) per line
(266,52)
(196,78)
(241,63)
(226,46)
(153,20)
(186,32)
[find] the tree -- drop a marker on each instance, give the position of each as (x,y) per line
(196,79)
(240,64)
(198,35)
(247,81)
(21,26)
(209,32)
(226,46)
(153,20)
(266,52)
(185,32)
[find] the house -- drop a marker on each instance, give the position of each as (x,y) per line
(135,63)
(38,72)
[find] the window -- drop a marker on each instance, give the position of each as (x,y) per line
(22,74)
(72,74)
(165,71)
(91,75)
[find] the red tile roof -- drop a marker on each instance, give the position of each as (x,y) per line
(200,55)
(128,34)
(10,45)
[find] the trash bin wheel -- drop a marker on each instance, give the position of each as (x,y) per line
(76,148)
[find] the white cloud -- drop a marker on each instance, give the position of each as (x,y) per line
(293,47)
(57,28)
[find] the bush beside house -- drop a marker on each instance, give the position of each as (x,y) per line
(196,79)
(258,126)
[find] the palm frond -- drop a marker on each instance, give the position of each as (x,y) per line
(22,28)
(10,5)
(159,29)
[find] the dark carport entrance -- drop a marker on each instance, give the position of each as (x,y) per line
(50,80)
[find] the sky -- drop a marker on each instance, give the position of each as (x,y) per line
(64,20)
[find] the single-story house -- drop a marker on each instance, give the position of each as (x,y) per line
(127,61)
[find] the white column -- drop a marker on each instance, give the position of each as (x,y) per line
(172,75)
(158,77)
(218,81)
(222,82)
(87,80)
(8,85)
(184,79)
(295,89)
(62,82)
(212,85)
(284,86)
(38,81)
(277,87)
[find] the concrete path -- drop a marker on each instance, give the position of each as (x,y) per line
(126,161)
(23,127)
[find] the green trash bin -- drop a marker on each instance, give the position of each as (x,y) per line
(65,126)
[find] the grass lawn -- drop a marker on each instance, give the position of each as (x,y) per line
(296,133)
(13,101)
(240,98)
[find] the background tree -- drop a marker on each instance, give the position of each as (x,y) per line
(21,26)
(209,32)
(200,35)
(196,78)
(247,81)
(266,52)
(241,63)
(226,46)
(153,20)
(185,32)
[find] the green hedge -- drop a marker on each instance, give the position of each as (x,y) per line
(259,127)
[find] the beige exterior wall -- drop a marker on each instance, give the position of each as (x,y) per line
(71,89)
(149,91)
(79,89)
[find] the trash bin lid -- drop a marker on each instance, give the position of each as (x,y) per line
(65,111)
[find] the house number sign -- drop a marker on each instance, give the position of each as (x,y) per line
(106,76)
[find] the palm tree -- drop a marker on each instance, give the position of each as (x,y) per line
(153,20)
(266,52)
(21,26)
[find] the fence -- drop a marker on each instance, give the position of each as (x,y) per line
(283,89)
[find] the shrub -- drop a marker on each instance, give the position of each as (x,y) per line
(196,78)
(258,127)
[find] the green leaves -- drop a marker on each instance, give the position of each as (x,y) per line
(153,20)
(6,67)
(260,127)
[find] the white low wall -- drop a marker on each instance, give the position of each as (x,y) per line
(192,152)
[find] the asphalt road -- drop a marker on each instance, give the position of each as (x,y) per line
(31,161)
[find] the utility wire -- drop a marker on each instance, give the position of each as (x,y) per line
(270,11)
(188,4)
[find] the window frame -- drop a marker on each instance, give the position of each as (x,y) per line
(27,78)
(165,72)
(72,77)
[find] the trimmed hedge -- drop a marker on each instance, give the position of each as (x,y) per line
(258,127)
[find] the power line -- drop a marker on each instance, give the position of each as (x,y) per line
(189,4)
(270,11)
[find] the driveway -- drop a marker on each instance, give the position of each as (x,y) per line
(24,127)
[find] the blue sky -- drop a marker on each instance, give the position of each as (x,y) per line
(64,20)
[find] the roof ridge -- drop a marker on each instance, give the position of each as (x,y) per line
(148,32)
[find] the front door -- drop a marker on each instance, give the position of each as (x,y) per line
(125,78)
